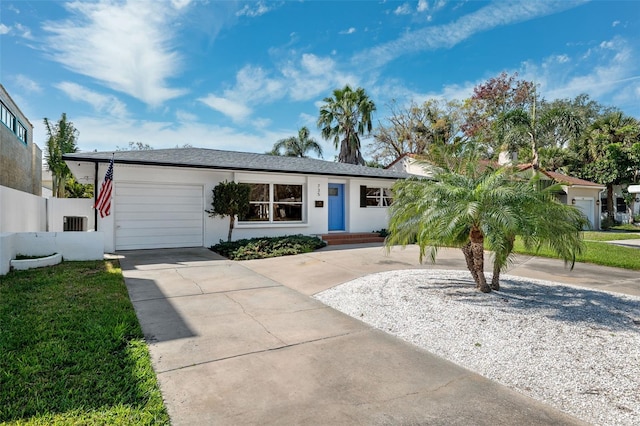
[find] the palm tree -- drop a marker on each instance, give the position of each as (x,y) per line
(344,118)
(297,146)
(465,211)
(62,139)
(541,221)
(520,122)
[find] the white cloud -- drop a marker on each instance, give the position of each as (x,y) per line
(106,104)
(106,133)
(301,79)
(238,111)
(446,36)
(604,72)
(256,9)
(349,31)
(4,29)
(180,4)
(184,116)
(423,6)
(615,23)
(126,46)
(26,84)
(403,9)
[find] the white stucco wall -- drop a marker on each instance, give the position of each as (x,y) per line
(366,219)
(21,211)
(71,245)
(58,208)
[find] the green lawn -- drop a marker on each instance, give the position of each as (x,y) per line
(72,351)
(610,236)
(597,252)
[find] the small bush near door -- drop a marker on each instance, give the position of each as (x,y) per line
(261,248)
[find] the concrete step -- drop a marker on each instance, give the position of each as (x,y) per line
(352,238)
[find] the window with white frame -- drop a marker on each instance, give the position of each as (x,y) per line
(274,203)
(374,196)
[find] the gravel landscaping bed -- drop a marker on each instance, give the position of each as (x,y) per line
(576,349)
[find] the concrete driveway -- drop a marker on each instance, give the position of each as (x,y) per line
(243,343)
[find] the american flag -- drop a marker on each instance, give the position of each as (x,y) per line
(103,203)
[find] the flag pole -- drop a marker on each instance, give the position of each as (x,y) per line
(95,196)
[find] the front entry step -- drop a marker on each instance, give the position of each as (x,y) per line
(352,238)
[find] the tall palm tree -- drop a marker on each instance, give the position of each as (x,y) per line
(533,125)
(465,211)
(344,117)
(297,146)
(62,138)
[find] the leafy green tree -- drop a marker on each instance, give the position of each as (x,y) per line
(230,199)
(78,190)
(344,118)
(490,101)
(606,154)
(297,146)
(62,139)
(469,210)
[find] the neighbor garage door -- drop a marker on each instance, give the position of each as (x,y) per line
(158,216)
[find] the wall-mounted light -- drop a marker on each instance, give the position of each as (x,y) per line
(597,202)
(573,201)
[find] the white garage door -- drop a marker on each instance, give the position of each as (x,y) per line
(158,216)
(585,205)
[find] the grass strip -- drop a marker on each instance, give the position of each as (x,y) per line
(610,236)
(599,253)
(72,349)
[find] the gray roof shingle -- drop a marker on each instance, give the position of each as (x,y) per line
(231,160)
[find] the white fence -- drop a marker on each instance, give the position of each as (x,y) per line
(21,211)
(34,226)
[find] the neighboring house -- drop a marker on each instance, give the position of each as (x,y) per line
(410,163)
(20,158)
(580,193)
(160,196)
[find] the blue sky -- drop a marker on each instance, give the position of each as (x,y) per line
(241,75)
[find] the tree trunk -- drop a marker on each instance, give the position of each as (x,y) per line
(499,262)
(495,279)
(468,257)
(231,220)
(477,250)
(611,214)
(535,159)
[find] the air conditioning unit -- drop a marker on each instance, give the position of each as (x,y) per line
(74,223)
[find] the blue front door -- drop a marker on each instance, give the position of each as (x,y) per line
(336,207)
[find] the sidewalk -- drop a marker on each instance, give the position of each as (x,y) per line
(242,343)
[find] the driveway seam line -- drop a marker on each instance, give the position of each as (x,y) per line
(292,345)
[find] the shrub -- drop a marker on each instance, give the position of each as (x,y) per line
(607,223)
(261,248)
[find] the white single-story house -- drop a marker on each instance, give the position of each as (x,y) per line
(160,196)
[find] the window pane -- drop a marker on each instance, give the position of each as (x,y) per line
(373,192)
(259,192)
(287,212)
(387,199)
(289,193)
(258,212)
